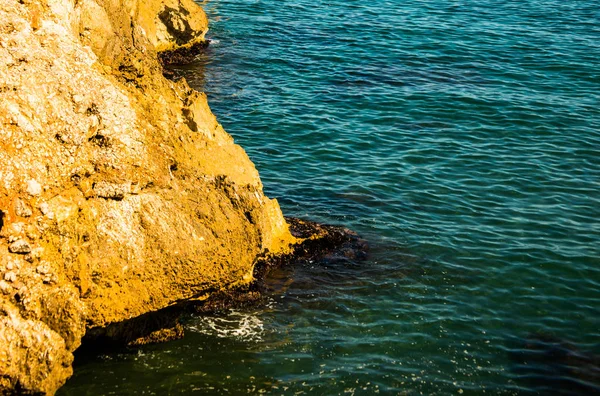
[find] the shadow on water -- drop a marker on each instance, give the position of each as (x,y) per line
(554,366)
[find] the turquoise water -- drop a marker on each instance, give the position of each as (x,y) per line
(462,140)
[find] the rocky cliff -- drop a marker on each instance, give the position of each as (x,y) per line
(120,193)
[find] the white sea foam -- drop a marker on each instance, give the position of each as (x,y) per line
(240,325)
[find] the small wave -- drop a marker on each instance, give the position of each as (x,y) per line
(242,326)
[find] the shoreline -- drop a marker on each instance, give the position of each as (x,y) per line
(124,202)
(319,241)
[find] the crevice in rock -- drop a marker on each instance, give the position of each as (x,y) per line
(189,120)
(100,140)
(17,390)
(92,110)
(137,331)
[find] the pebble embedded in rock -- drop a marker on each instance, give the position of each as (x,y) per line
(43,269)
(36,253)
(10,276)
(5,288)
(22,209)
(34,188)
(19,247)
(44,208)
(112,190)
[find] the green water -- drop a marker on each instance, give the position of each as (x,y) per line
(462,140)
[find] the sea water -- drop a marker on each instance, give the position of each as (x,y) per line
(462,140)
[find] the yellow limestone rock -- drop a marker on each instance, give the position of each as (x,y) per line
(120,193)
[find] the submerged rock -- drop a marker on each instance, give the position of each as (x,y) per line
(119,189)
(553,366)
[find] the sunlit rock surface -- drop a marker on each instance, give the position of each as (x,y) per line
(120,193)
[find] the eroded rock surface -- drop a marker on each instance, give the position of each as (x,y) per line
(120,193)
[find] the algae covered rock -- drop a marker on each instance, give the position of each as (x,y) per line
(120,193)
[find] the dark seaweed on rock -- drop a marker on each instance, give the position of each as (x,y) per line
(180,56)
(321,242)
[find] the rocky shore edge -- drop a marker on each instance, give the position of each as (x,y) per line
(316,242)
(123,202)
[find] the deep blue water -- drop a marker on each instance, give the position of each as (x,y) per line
(462,140)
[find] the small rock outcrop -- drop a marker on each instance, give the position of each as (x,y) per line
(120,193)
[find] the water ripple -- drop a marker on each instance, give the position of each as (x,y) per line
(463,140)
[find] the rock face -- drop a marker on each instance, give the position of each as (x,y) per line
(120,193)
